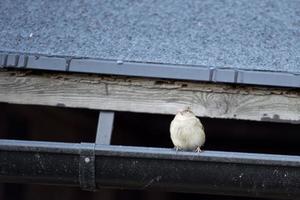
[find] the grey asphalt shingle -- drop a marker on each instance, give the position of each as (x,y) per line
(234,34)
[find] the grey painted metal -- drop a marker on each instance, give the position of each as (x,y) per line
(22,61)
(224,75)
(15,61)
(105,127)
(48,63)
(212,172)
(12,60)
(267,78)
(117,67)
(3,60)
(140,69)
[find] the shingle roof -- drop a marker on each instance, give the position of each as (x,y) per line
(256,42)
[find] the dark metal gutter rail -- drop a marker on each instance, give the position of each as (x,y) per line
(211,172)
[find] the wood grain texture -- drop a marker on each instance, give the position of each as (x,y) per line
(150,95)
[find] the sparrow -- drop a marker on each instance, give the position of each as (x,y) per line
(187,132)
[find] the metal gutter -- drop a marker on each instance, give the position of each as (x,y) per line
(92,166)
(154,70)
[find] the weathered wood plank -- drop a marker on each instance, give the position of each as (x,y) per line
(150,96)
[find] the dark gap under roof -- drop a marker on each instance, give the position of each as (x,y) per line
(245,42)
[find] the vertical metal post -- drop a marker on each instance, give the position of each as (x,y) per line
(105,127)
(87,171)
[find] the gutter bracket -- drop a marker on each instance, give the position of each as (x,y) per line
(87,174)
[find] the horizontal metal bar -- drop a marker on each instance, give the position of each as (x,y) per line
(154,70)
(207,156)
(241,174)
(140,69)
(39,146)
(148,152)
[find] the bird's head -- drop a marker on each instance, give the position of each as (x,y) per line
(186,112)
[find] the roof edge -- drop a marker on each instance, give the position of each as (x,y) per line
(154,70)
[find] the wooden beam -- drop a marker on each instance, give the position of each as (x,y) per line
(150,95)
